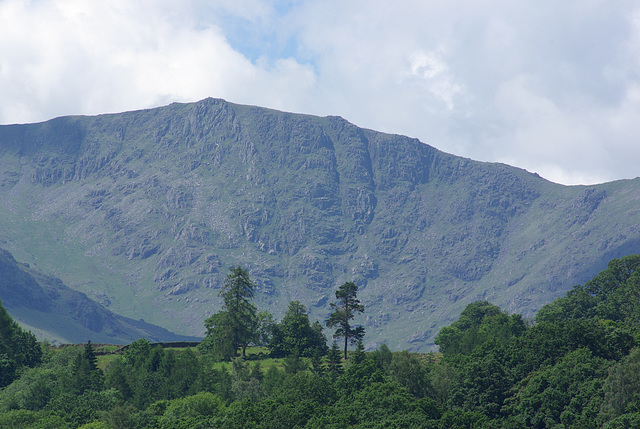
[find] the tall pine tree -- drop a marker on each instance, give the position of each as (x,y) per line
(344,310)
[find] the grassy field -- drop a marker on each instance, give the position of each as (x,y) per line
(106,353)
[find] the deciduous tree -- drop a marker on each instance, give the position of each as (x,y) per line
(295,335)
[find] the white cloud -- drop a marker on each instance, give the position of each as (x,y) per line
(78,57)
(551,86)
(542,132)
(434,75)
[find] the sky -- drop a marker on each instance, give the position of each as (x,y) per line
(549,86)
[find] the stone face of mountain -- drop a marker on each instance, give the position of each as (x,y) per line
(53,310)
(146,211)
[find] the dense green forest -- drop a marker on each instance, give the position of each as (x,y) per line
(577,365)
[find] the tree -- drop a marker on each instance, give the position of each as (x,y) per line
(622,387)
(295,335)
(137,352)
(317,366)
(344,310)
(85,372)
(382,357)
(218,342)
(264,331)
(567,394)
(235,326)
(407,370)
(237,292)
(90,356)
(17,348)
(358,355)
(246,382)
(293,364)
(192,411)
(334,362)
(479,322)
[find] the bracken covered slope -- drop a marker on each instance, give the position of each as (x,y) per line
(146,211)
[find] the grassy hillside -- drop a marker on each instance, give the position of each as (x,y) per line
(146,211)
(52,311)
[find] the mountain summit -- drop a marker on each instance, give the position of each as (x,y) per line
(146,211)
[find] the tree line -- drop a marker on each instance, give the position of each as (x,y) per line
(576,365)
(239,324)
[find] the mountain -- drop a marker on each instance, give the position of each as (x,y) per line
(146,211)
(49,308)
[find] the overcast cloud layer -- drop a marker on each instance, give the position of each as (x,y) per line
(549,86)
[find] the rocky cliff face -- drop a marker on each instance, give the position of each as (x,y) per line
(146,212)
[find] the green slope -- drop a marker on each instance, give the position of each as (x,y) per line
(52,311)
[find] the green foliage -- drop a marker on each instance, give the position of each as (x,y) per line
(378,404)
(622,388)
(37,386)
(246,382)
(197,411)
(358,354)
(343,311)
(146,374)
(575,368)
(25,419)
(334,361)
(565,393)
(618,272)
(264,329)
(546,343)
(296,399)
(295,335)
(85,372)
(236,326)
(614,294)
(578,304)
(626,421)
(483,381)
(305,386)
(358,376)
(294,364)
(443,375)
(479,322)
(552,374)
(218,343)
(118,377)
(95,425)
(382,356)
(237,293)
(77,410)
(137,352)
(317,365)
(458,419)
(272,380)
(182,371)
(407,370)
(7,370)
(217,381)
(18,349)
